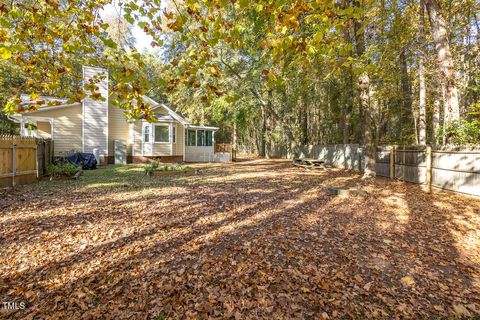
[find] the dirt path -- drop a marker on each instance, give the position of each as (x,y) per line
(257,239)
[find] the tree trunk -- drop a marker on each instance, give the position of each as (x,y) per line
(436,119)
(477,27)
(365,121)
(263,133)
(360,50)
(268,126)
(304,121)
(407,120)
(234,141)
(422,99)
(368,139)
(348,108)
(438,27)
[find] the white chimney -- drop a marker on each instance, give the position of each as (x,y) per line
(95,112)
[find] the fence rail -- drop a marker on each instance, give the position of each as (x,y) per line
(23,159)
(451,170)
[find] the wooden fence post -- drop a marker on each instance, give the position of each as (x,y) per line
(404,159)
(14,162)
(429,169)
(392,162)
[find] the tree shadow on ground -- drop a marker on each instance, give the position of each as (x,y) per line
(259,241)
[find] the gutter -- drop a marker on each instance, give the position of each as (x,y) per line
(13,119)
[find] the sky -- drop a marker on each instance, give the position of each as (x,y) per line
(143,40)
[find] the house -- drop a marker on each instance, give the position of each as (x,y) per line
(95,124)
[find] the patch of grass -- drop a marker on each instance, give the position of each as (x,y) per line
(176,167)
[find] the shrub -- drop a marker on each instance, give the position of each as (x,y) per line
(63,169)
(150,168)
(463,132)
(176,167)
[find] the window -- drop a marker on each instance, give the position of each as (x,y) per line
(146,134)
(174,134)
(208,138)
(191,137)
(200,138)
(162,134)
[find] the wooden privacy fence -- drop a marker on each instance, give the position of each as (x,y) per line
(225,147)
(20,158)
(451,170)
(44,155)
(346,156)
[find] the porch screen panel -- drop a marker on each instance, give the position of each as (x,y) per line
(191,137)
(200,138)
(208,138)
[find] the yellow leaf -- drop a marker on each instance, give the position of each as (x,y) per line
(408,281)
(5,53)
(439,308)
(461,310)
(368,286)
(34,96)
(214,70)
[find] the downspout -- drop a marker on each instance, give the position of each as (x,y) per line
(184,139)
(52,129)
(213,146)
(20,121)
(170,137)
(13,119)
(143,135)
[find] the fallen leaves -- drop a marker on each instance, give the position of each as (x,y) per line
(408,281)
(251,240)
(460,310)
(368,286)
(358,278)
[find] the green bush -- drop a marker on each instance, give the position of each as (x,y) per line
(62,170)
(463,132)
(154,165)
(150,168)
(176,167)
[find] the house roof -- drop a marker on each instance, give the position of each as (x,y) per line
(156,105)
(63,104)
(203,127)
(26,100)
(168,118)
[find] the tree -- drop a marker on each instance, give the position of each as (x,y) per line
(438,26)
(50,40)
(273,75)
(120,31)
(422,121)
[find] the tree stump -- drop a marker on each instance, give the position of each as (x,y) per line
(339,191)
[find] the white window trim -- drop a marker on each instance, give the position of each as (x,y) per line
(187,138)
(144,127)
(169,125)
(143,143)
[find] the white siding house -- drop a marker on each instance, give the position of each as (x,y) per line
(96,124)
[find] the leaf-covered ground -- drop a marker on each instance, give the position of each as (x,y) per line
(252,240)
